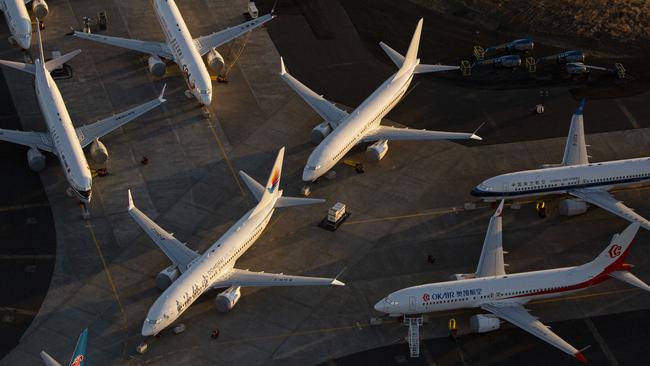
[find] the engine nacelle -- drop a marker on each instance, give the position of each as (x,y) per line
(516,45)
(573,207)
(35,160)
(508,61)
(462,276)
(157,67)
(576,68)
(227,300)
(167,276)
(570,56)
(215,61)
(40,9)
(319,133)
(377,151)
(98,151)
(483,323)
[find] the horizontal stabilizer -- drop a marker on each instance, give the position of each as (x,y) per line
(55,63)
(396,57)
(424,68)
(254,186)
(630,279)
(296,201)
(28,68)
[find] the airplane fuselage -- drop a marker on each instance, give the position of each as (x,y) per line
(62,134)
(206,269)
(559,180)
(20,25)
(354,127)
(471,293)
(182,46)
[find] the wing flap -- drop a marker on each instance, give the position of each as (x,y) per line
(176,251)
(326,109)
(519,316)
(607,202)
(39,140)
(407,134)
(491,261)
(206,43)
(153,48)
(245,278)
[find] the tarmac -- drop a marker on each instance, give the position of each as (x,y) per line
(404,208)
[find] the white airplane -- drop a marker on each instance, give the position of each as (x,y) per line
(78,357)
(20,25)
(504,295)
(63,139)
(341,131)
(192,274)
(182,49)
(575,176)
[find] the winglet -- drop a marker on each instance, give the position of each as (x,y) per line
(336,282)
(474,135)
(499,211)
(131,206)
(161,98)
(275,4)
(282,69)
(581,107)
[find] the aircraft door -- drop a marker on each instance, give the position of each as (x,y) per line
(504,188)
(412,303)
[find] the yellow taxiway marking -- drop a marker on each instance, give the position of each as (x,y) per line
(225,157)
(109,277)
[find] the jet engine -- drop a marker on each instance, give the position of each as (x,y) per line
(319,133)
(35,160)
(573,207)
(507,61)
(167,276)
(40,9)
(576,68)
(516,45)
(227,300)
(98,151)
(462,276)
(377,151)
(483,323)
(215,61)
(570,56)
(157,67)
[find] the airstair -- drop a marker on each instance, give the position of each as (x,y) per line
(413,337)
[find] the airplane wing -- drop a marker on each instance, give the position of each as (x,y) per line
(519,316)
(407,134)
(39,140)
(88,133)
(491,261)
(608,202)
(575,151)
(206,43)
(326,109)
(245,278)
(176,251)
(153,48)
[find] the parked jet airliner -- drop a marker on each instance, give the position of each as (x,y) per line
(504,295)
(181,48)
(192,274)
(62,138)
(589,182)
(78,357)
(20,25)
(341,131)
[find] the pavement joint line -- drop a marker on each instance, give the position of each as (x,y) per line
(225,156)
(27,257)
(627,114)
(19,311)
(110,281)
(24,207)
(601,342)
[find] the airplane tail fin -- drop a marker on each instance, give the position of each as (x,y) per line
(40,41)
(272,189)
(575,150)
(612,258)
(411,58)
(79,356)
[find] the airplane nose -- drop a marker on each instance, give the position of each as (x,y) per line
(381,306)
(147,330)
(308,175)
(24,43)
(206,99)
(475,192)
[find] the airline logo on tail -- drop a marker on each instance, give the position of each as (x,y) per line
(274,180)
(615,251)
(77,361)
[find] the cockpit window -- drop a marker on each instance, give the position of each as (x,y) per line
(311,167)
(391,302)
(154,321)
(204,92)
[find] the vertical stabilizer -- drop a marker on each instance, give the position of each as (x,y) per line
(575,151)
(79,356)
(272,188)
(40,43)
(412,53)
(612,258)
